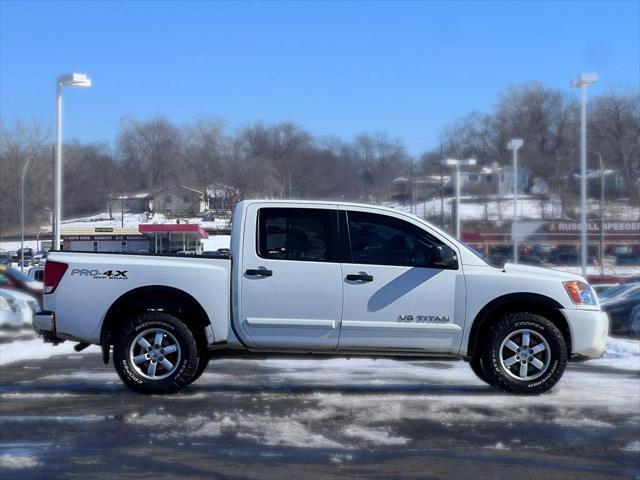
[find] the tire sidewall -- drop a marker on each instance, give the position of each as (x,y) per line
(496,373)
(188,348)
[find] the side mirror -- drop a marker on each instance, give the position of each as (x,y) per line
(444,257)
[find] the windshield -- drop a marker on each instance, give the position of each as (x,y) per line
(17,275)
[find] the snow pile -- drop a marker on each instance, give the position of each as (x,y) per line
(620,353)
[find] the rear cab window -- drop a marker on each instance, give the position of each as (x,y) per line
(299,234)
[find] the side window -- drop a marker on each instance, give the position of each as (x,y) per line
(297,234)
(381,240)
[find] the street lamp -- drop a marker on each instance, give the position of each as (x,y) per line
(67,80)
(601,213)
(514,145)
(582,82)
(458,163)
(23,175)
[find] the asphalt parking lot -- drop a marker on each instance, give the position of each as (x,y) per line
(68,416)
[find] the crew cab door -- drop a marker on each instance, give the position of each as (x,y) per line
(291,285)
(395,297)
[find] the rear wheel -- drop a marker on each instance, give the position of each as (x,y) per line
(155,353)
(525,353)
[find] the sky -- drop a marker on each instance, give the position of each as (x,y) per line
(335,68)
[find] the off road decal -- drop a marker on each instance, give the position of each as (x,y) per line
(98,275)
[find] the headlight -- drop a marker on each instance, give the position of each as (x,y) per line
(580,293)
(4,305)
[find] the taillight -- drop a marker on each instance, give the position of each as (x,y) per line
(53,273)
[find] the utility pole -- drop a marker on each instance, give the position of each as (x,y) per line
(514,145)
(441,187)
(23,175)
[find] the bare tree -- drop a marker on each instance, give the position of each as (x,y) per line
(18,142)
(150,152)
(615,130)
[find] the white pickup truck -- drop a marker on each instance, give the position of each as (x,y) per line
(328,279)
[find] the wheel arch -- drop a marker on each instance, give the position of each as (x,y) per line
(520,302)
(154,298)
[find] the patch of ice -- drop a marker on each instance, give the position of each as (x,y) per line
(17,461)
(373,436)
(633,447)
(498,446)
(151,420)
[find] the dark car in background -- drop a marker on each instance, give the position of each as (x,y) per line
(622,304)
(5,258)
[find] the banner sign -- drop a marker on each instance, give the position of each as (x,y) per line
(609,227)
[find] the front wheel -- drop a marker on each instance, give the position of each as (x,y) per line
(525,353)
(155,353)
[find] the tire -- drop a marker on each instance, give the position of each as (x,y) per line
(203,362)
(477,367)
(541,366)
(147,369)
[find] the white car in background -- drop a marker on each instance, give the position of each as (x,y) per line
(17,309)
(36,274)
(10,317)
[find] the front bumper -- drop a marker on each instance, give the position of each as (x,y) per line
(589,331)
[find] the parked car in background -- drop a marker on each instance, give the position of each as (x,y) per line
(14,256)
(623,308)
(36,273)
(26,306)
(631,258)
(25,261)
(39,257)
(14,279)
(5,258)
(600,288)
(10,317)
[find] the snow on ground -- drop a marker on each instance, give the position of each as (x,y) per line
(15,245)
(35,349)
(215,242)
(132,220)
(620,353)
(17,461)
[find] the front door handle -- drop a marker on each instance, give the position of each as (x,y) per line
(258,272)
(359,277)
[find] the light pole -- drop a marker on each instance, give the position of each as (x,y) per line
(601,214)
(458,163)
(582,82)
(67,80)
(23,175)
(514,145)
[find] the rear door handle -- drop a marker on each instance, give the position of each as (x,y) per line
(258,272)
(359,277)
